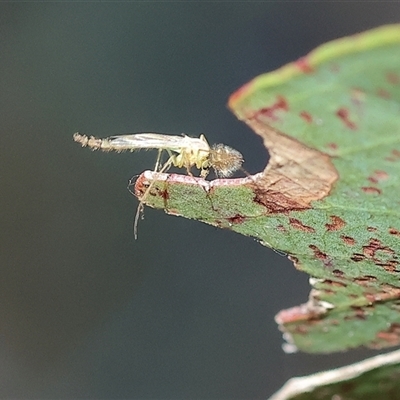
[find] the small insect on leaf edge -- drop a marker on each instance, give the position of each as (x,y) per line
(184,152)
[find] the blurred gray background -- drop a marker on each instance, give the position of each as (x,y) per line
(186,311)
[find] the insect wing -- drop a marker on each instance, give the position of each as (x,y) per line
(156,141)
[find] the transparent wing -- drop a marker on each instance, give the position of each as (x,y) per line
(139,141)
(152,141)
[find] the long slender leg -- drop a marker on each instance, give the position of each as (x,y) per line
(140,208)
(158,159)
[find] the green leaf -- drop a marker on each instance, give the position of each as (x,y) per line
(329,196)
(371,379)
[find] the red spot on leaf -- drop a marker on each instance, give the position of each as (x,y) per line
(372,298)
(377,176)
(359,313)
(365,280)
(141,186)
(373,246)
(389,266)
(294,259)
(306,116)
(328,291)
(371,190)
(360,316)
(343,114)
(164,194)
(383,93)
(395,327)
(270,112)
(392,338)
(318,253)
(348,240)
(332,146)
(391,335)
(281,228)
(393,78)
(357,257)
(296,224)
(394,231)
(370,252)
(389,292)
(338,272)
(303,65)
(237,219)
(372,229)
(336,223)
(335,283)
(394,156)
(370,249)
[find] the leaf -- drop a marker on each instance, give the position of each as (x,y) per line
(329,196)
(374,378)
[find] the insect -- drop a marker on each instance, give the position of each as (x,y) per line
(183,151)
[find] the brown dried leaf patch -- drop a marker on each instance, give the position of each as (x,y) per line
(296,174)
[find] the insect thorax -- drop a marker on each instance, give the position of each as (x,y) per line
(189,157)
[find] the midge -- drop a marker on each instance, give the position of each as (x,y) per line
(184,152)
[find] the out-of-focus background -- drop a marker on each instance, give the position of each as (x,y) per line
(186,311)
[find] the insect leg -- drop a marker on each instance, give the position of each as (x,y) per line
(158,159)
(140,209)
